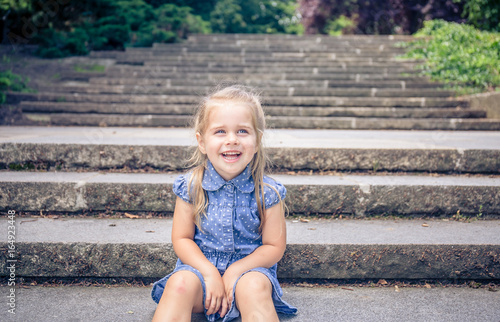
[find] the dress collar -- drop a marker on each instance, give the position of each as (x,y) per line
(212,180)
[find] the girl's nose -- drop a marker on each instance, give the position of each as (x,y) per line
(232,138)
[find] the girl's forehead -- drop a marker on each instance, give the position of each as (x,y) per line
(229,107)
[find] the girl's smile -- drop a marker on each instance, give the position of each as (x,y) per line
(230,139)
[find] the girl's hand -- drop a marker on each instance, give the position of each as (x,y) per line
(215,297)
(229,278)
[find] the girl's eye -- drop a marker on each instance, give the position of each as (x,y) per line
(242,131)
(220,132)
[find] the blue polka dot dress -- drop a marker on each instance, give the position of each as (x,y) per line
(230,231)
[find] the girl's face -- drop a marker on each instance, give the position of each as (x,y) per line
(230,140)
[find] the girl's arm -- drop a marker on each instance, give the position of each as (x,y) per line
(271,251)
(183,229)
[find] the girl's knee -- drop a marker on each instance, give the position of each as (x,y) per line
(183,283)
(254,284)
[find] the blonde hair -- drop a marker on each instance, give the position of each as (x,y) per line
(198,160)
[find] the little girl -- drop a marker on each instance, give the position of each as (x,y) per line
(228,227)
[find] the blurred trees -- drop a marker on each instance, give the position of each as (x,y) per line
(65,27)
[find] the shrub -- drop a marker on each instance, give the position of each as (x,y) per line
(11,82)
(483,14)
(458,54)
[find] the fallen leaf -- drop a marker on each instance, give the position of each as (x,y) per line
(130,312)
(304,220)
(382,282)
(131,216)
(347,289)
(150,231)
(427,285)
(491,289)
(396,288)
(112,225)
(53,216)
(425,225)
(28,221)
(311,228)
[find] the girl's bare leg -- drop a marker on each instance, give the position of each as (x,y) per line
(182,296)
(254,298)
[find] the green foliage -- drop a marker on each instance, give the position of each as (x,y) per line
(11,82)
(227,18)
(458,54)
(256,16)
(483,14)
(170,24)
(135,12)
(340,26)
(76,27)
(89,68)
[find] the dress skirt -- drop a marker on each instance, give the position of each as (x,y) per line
(214,257)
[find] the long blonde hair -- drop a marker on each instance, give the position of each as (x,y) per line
(198,160)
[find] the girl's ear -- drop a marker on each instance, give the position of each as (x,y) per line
(201,144)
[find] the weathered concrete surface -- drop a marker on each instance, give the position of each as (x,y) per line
(14,98)
(349,304)
(84,88)
(361,196)
(325,249)
(487,101)
(95,148)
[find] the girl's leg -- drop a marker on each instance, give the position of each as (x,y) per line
(182,296)
(254,298)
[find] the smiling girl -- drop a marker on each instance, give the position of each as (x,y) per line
(228,227)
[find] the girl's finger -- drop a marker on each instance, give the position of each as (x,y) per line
(214,305)
(224,307)
(208,299)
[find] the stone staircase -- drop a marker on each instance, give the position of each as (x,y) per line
(350,82)
(367,202)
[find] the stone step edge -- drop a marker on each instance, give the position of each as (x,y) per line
(87,88)
(277,122)
(317,101)
(306,111)
(360,196)
(94,152)
(122,255)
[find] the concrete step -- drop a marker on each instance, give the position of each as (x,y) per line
(318,249)
(97,148)
(317,38)
(227,64)
(359,196)
(315,69)
(345,303)
(86,88)
(185,109)
(251,59)
(279,122)
(318,101)
(254,47)
(238,77)
(333,83)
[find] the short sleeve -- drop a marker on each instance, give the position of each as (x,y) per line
(181,187)
(273,196)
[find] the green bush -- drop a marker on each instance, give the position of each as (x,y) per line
(483,14)
(340,26)
(458,54)
(77,27)
(170,24)
(11,82)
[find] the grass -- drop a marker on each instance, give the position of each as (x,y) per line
(89,68)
